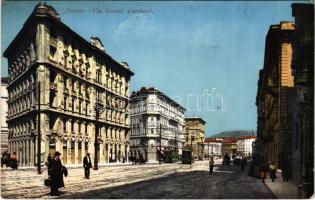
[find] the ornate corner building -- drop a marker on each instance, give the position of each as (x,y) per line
(57,82)
(157,125)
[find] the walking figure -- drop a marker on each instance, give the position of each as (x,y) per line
(211,164)
(272,171)
(56,174)
(285,170)
(87,164)
(243,163)
(48,163)
(263,172)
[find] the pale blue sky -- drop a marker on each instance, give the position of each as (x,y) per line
(181,48)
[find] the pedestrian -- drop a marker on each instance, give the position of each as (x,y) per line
(56,174)
(87,164)
(48,162)
(272,171)
(211,164)
(242,164)
(13,161)
(285,170)
(228,160)
(262,172)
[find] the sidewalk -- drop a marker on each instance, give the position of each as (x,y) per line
(34,168)
(73,166)
(283,190)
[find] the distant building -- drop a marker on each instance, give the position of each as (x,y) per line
(195,135)
(157,125)
(229,146)
(245,145)
(3,114)
(213,147)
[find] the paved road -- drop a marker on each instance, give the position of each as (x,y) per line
(142,181)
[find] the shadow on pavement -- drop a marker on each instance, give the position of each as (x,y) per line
(226,182)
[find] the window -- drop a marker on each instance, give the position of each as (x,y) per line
(72,105)
(64,125)
(72,126)
(79,107)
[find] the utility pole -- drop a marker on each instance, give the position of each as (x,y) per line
(38,134)
(160,159)
(191,157)
(96,134)
(176,145)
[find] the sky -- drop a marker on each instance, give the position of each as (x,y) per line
(204,55)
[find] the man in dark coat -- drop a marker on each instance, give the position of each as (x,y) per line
(87,164)
(48,162)
(56,174)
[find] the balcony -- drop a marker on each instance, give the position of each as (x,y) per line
(53,86)
(66,91)
(80,95)
(74,93)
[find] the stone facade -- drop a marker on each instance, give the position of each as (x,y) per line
(74,76)
(302,97)
(229,146)
(275,83)
(245,145)
(155,117)
(3,114)
(195,136)
(213,147)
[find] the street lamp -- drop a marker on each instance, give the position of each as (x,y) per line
(160,158)
(192,156)
(97,141)
(38,134)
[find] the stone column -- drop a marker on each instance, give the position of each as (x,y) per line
(68,147)
(82,149)
(127,153)
(108,153)
(122,150)
(19,152)
(76,152)
(47,148)
(27,150)
(32,152)
(9,146)
(23,152)
(114,150)
(59,145)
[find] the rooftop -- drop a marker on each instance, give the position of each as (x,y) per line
(152,90)
(195,119)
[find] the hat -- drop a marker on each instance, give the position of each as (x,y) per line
(57,153)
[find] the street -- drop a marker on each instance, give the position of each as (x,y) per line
(140,181)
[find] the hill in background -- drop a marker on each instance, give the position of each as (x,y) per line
(235,133)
